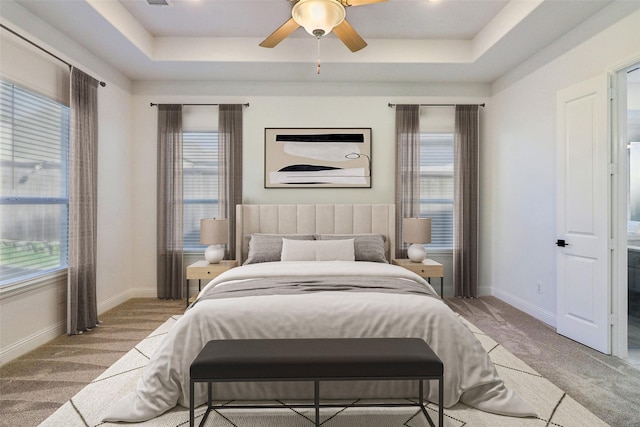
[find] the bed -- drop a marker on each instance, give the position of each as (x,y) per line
(318,271)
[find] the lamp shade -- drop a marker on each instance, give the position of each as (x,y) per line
(214,231)
(318,17)
(416,230)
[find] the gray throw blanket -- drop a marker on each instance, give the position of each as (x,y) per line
(292,285)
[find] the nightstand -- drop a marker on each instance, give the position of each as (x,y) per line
(427,268)
(203,270)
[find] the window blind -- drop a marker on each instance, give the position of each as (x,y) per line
(34,145)
(436,186)
(200,184)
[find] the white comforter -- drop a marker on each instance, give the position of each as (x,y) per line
(469,375)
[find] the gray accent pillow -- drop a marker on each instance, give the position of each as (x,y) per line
(368,247)
(268,247)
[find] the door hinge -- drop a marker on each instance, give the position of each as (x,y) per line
(612,319)
(611,93)
(612,244)
(613,168)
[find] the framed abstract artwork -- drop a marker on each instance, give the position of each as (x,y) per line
(317,157)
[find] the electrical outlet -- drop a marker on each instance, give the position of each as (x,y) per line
(539,288)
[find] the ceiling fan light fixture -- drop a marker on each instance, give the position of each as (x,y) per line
(318,17)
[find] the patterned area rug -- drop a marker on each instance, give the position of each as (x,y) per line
(554,407)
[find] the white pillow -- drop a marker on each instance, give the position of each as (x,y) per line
(318,250)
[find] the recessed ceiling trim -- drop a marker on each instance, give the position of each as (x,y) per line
(120,19)
(506,20)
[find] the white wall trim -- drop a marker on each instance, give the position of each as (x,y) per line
(484,291)
(31,342)
(523,305)
(51,332)
(114,301)
(143,293)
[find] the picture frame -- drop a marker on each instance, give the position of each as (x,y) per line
(317,158)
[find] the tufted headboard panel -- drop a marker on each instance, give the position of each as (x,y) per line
(312,219)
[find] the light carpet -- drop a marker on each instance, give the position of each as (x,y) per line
(554,407)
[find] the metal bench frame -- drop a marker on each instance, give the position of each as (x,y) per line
(316,401)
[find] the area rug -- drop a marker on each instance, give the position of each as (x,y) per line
(554,407)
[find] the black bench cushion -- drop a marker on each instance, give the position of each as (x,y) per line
(325,358)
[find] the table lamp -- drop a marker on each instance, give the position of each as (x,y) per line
(416,231)
(215,233)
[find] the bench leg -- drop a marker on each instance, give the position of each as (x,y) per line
(192,408)
(191,403)
(316,401)
(422,407)
(440,403)
(209,394)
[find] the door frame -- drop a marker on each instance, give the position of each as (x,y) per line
(619,190)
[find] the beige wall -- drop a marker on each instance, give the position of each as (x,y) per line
(269,111)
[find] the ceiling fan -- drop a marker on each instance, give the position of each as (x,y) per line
(319,18)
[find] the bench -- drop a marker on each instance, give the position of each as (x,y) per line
(322,359)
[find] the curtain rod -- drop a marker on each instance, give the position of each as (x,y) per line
(103,84)
(437,105)
(195,105)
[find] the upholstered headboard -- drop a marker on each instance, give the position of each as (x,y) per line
(312,219)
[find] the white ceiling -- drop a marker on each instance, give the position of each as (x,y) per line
(409,41)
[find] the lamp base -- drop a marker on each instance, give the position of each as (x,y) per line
(416,252)
(214,254)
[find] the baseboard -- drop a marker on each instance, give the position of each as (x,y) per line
(523,305)
(49,333)
(31,342)
(114,301)
(143,293)
(484,291)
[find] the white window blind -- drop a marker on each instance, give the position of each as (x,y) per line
(34,146)
(436,186)
(200,184)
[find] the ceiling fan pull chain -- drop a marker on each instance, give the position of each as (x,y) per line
(318,62)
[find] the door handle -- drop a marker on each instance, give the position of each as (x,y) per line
(561,243)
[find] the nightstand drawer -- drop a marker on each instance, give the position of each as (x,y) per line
(435,271)
(427,268)
(204,270)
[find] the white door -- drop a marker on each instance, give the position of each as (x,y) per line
(583,279)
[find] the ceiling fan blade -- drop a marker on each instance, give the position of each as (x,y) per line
(348,3)
(280,34)
(349,36)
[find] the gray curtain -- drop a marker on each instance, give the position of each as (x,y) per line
(466,166)
(82,308)
(229,168)
(407,187)
(169,233)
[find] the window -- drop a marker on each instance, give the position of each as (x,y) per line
(436,186)
(34,146)
(200,184)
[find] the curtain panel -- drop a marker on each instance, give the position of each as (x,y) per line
(407,185)
(82,308)
(229,167)
(170,275)
(466,166)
